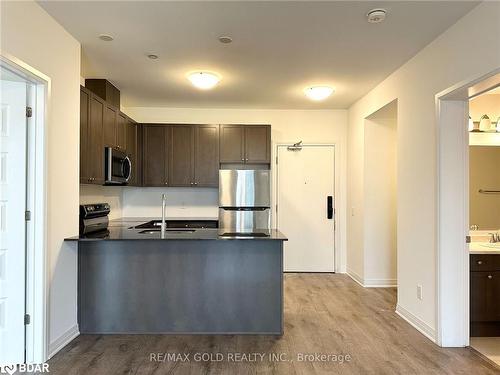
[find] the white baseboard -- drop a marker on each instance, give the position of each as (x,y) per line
(381,283)
(372,283)
(417,323)
(63,340)
(353,275)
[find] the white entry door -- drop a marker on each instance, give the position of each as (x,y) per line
(306,186)
(13,146)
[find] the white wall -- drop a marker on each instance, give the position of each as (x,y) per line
(380,211)
(28,33)
(310,126)
(104,194)
(451,58)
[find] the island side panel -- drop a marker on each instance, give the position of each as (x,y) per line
(181,286)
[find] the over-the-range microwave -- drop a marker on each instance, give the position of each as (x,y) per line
(117,167)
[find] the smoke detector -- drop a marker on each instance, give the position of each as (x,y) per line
(376,15)
(225,39)
(106,37)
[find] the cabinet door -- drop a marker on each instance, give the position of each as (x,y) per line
(85,177)
(181,156)
(232,144)
(484,296)
(258,144)
(155,155)
(109,126)
(206,159)
(131,149)
(121,122)
(95,139)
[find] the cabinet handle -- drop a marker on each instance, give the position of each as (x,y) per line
(192,183)
(246,159)
(242,159)
(166,183)
(479,262)
(196,183)
(490,277)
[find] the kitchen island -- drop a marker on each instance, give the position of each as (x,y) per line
(192,281)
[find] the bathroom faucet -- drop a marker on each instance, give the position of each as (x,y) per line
(494,237)
(163,209)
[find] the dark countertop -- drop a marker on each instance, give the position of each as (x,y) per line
(124,229)
(134,221)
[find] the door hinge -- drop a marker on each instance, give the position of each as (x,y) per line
(27,319)
(29,111)
(27,215)
(276,159)
(276,208)
(467,239)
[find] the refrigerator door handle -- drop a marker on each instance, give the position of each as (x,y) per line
(329,207)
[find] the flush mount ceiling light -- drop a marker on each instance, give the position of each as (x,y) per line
(376,15)
(318,93)
(204,80)
(152,56)
(106,37)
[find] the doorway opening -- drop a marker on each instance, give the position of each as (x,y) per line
(305,206)
(23,293)
(454,267)
(484,220)
(380,197)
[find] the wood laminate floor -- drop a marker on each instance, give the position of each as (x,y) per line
(324,314)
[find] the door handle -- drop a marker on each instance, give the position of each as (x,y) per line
(329,207)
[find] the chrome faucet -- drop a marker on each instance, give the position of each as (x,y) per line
(494,237)
(163,209)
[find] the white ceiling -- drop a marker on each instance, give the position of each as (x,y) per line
(278,48)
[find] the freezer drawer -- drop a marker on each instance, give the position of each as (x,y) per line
(240,220)
(244,188)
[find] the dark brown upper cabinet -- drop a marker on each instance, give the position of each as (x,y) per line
(109,129)
(85,95)
(121,123)
(258,144)
(156,139)
(245,144)
(181,155)
(131,147)
(92,154)
(105,90)
(232,146)
(206,155)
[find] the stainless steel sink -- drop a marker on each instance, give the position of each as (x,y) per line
(152,231)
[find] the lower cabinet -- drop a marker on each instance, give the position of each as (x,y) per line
(485,295)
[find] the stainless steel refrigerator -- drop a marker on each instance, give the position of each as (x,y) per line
(244,200)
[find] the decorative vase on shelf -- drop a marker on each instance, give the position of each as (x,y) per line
(484,123)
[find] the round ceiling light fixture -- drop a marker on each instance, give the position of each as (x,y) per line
(318,93)
(376,15)
(106,37)
(225,39)
(204,80)
(152,56)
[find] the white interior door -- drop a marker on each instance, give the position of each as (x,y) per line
(306,179)
(13,145)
